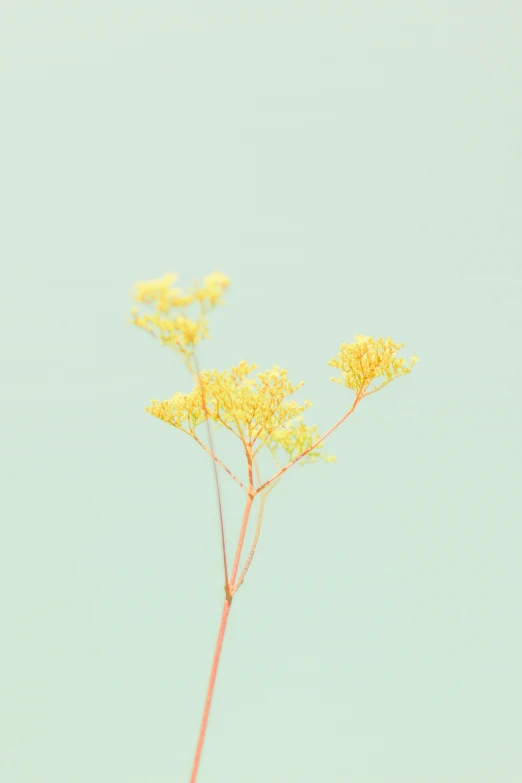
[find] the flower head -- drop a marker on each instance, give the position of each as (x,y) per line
(168,320)
(180,410)
(255,409)
(366,359)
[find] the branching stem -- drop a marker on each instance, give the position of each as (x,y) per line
(218,491)
(264,495)
(216,459)
(224,617)
(246,514)
(310,448)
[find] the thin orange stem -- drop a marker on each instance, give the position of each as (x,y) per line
(216,459)
(210,689)
(218,491)
(256,538)
(242,533)
(310,448)
(224,618)
(258,528)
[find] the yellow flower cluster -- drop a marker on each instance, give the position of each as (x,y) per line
(180,409)
(253,409)
(294,438)
(169,321)
(367,359)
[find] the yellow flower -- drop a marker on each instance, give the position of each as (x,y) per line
(214,286)
(251,408)
(255,410)
(366,359)
(160,293)
(181,409)
(169,321)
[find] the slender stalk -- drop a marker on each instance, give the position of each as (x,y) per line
(216,477)
(258,527)
(222,627)
(210,690)
(256,538)
(230,586)
(313,446)
(195,437)
(248,508)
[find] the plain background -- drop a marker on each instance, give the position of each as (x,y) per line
(353,167)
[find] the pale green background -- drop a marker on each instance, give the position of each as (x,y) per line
(354,167)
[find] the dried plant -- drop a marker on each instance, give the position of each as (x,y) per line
(256,410)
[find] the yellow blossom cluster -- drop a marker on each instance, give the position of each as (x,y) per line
(366,359)
(294,438)
(253,409)
(181,409)
(168,320)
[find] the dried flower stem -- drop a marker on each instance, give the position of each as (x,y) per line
(253,410)
(313,446)
(210,689)
(248,508)
(221,634)
(232,587)
(258,531)
(238,481)
(216,477)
